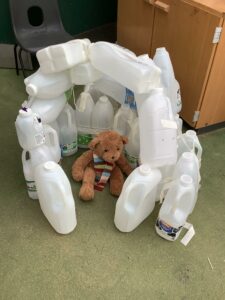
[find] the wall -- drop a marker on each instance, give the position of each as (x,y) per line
(77,15)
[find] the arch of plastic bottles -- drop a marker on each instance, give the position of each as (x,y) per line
(169,160)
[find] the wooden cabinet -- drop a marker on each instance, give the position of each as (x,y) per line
(187,29)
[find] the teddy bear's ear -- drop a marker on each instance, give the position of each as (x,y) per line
(94,143)
(124,139)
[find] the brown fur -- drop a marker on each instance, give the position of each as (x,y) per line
(109,146)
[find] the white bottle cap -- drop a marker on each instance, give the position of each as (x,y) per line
(145,169)
(186,180)
(25,113)
(191,133)
(104,99)
(31,89)
(160,49)
(50,165)
(188,155)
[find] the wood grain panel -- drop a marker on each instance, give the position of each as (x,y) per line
(134,25)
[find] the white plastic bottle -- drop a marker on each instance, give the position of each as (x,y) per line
(158,130)
(29,129)
(139,74)
(47,86)
(55,197)
(137,199)
(179,122)
(132,148)
(176,208)
(52,141)
(169,82)
(84,73)
(122,120)
(103,114)
(29,175)
(48,109)
(188,164)
(68,131)
(84,108)
(189,142)
(60,57)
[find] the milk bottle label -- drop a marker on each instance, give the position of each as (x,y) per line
(69,148)
(166,231)
(84,139)
(31,187)
(132,160)
(130,100)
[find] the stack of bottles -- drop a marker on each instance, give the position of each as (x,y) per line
(166,162)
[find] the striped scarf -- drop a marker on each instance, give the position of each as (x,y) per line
(103,171)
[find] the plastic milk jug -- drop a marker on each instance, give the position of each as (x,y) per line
(188,164)
(137,199)
(84,73)
(189,142)
(111,88)
(60,57)
(139,74)
(176,207)
(29,175)
(52,141)
(29,129)
(47,86)
(179,122)
(158,130)
(48,109)
(103,114)
(55,197)
(93,91)
(171,85)
(132,148)
(123,120)
(67,131)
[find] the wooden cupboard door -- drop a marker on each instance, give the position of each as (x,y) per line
(212,110)
(134,25)
(187,33)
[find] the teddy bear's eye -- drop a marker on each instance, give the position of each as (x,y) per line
(106,150)
(118,149)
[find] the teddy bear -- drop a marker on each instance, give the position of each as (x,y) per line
(104,161)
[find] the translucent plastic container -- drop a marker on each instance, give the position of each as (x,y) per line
(189,142)
(29,129)
(123,120)
(132,148)
(67,131)
(179,122)
(111,88)
(55,197)
(176,208)
(171,85)
(29,175)
(137,199)
(84,108)
(158,130)
(48,109)
(47,86)
(103,114)
(139,74)
(188,164)
(84,73)
(64,56)
(52,141)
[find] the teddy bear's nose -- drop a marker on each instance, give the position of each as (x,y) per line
(113,157)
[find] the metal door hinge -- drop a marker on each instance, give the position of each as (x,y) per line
(196,116)
(217,34)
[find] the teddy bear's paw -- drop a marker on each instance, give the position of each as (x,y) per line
(115,190)
(86,192)
(77,174)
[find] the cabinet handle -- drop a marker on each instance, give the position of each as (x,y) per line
(161,5)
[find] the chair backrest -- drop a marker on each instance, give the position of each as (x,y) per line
(34,15)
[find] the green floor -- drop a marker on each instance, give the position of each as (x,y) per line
(96,261)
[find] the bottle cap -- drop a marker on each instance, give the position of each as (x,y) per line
(50,165)
(160,49)
(145,169)
(188,155)
(186,180)
(191,133)
(31,89)
(25,112)
(104,99)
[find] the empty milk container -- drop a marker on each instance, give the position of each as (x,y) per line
(169,82)
(84,73)
(176,208)
(52,142)
(29,129)
(189,142)
(55,197)
(29,175)
(158,130)
(47,86)
(123,120)
(103,114)
(67,131)
(137,199)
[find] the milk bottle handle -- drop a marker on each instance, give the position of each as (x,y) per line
(69,118)
(52,133)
